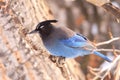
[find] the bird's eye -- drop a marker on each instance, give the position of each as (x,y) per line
(41,27)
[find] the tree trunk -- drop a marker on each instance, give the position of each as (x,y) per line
(22,56)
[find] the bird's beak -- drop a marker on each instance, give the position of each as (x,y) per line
(34,31)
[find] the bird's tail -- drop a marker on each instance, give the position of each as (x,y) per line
(102,56)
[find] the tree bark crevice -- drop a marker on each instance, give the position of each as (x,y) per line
(25,57)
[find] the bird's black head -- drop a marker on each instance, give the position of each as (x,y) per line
(44,28)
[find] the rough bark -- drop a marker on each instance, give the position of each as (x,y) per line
(22,56)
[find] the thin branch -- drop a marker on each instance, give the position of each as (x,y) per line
(107,42)
(104,72)
(110,50)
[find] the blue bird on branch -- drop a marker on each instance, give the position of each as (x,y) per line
(63,42)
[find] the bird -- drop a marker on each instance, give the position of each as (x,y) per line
(63,42)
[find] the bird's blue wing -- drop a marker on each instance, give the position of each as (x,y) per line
(76,41)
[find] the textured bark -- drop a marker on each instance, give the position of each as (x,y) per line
(112,9)
(22,56)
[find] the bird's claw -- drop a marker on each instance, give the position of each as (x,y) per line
(60,61)
(53,58)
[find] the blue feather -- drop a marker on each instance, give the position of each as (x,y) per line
(75,41)
(102,56)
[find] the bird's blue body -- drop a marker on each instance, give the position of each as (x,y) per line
(69,48)
(61,41)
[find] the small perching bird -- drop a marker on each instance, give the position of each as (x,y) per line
(63,42)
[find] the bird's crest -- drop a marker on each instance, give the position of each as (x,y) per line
(42,24)
(47,22)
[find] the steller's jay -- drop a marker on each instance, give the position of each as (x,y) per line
(63,42)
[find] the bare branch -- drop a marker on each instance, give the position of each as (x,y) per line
(112,9)
(107,42)
(105,71)
(98,2)
(108,6)
(110,50)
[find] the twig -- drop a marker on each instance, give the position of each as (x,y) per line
(117,74)
(105,71)
(110,50)
(107,42)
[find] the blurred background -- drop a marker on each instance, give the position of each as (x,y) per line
(23,56)
(93,22)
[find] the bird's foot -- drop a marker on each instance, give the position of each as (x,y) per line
(53,58)
(60,61)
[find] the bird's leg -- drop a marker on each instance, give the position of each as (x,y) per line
(60,61)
